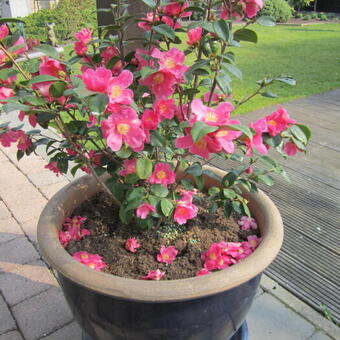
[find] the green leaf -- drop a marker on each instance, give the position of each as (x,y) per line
(136,193)
(200,182)
(223,82)
(306,131)
(298,133)
(156,139)
(159,190)
(211,174)
(227,209)
(57,89)
(266,179)
(245,208)
(166,206)
(150,3)
(287,80)
(269,162)
(8,72)
(187,184)
(266,21)
(62,164)
(272,141)
(4,20)
(236,205)
(124,152)
(269,94)
(245,35)
(213,191)
(48,50)
(242,128)
(201,129)
(229,193)
(233,70)
(165,30)
(98,102)
(15,106)
(154,200)
(230,178)
(221,29)
(41,78)
(195,169)
(143,168)
(146,71)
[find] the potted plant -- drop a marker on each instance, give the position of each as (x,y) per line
(186,243)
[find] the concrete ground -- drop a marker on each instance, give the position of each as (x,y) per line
(32,305)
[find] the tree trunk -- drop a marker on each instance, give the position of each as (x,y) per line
(315,5)
(137,8)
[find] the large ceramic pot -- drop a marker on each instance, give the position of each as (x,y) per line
(107,307)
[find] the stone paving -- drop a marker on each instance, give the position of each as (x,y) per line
(32,306)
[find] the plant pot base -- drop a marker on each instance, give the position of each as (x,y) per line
(241,334)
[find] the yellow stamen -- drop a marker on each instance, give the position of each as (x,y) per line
(116,91)
(123,129)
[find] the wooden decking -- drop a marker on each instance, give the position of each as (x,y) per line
(309,262)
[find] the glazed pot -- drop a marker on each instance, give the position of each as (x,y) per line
(107,307)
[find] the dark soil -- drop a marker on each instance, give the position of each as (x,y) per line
(108,237)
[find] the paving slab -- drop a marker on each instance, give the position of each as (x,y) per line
(320,336)
(7,322)
(10,177)
(17,251)
(3,157)
(42,314)
(25,281)
(9,230)
(4,212)
(51,189)
(14,335)
(45,177)
(30,229)
(30,165)
(269,319)
(70,331)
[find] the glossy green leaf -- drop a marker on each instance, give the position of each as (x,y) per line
(266,21)
(165,30)
(159,190)
(195,169)
(245,35)
(143,168)
(166,206)
(201,129)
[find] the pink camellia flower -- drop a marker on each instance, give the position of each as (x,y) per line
(147,22)
(107,54)
(203,147)
(153,275)
(23,49)
(278,121)
(24,142)
(64,238)
(132,245)
(73,234)
(85,35)
(225,137)
(167,254)
(80,48)
(5,93)
(214,258)
(144,209)
(290,148)
(171,61)
(194,35)
(139,55)
(129,167)
(93,261)
(238,15)
(184,211)
(160,83)
(32,119)
(173,23)
(246,222)
(252,7)
(97,80)
(150,119)
(117,88)
(165,108)
(250,170)
(216,117)
(4,31)
(123,127)
(75,221)
(253,241)
(7,138)
(92,120)
(162,174)
(52,67)
(53,166)
(177,9)
(203,272)
(215,98)
(260,126)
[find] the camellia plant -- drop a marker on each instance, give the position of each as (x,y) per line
(144,116)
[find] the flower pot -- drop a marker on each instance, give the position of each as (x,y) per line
(108,307)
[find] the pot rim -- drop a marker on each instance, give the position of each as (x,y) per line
(69,197)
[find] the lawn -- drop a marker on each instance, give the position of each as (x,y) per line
(311,54)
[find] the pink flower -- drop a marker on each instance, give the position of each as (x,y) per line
(162,174)
(250,170)
(203,147)
(252,7)
(85,35)
(117,89)
(109,53)
(75,221)
(260,126)
(4,31)
(144,209)
(129,167)
(139,55)
(215,98)
(290,149)
(64,238)
(253,241)
(73,230)
(23,49)
(184,211)
(225,137)
(171,61)
(167,254)
(165,108)
(52,67)
(80,48)
(177,9)
(32,119)
(153,275)
(92,120)
(147,22)
(216,117)
(194,35)
(278,121)
(5,93)
(202,272)
(93,261)
(24,142)
(160,83)
(132,245)
(150,119)
(246,222)
(53,166)
(97,80)
(215,259)
(7,138)
(123,127)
